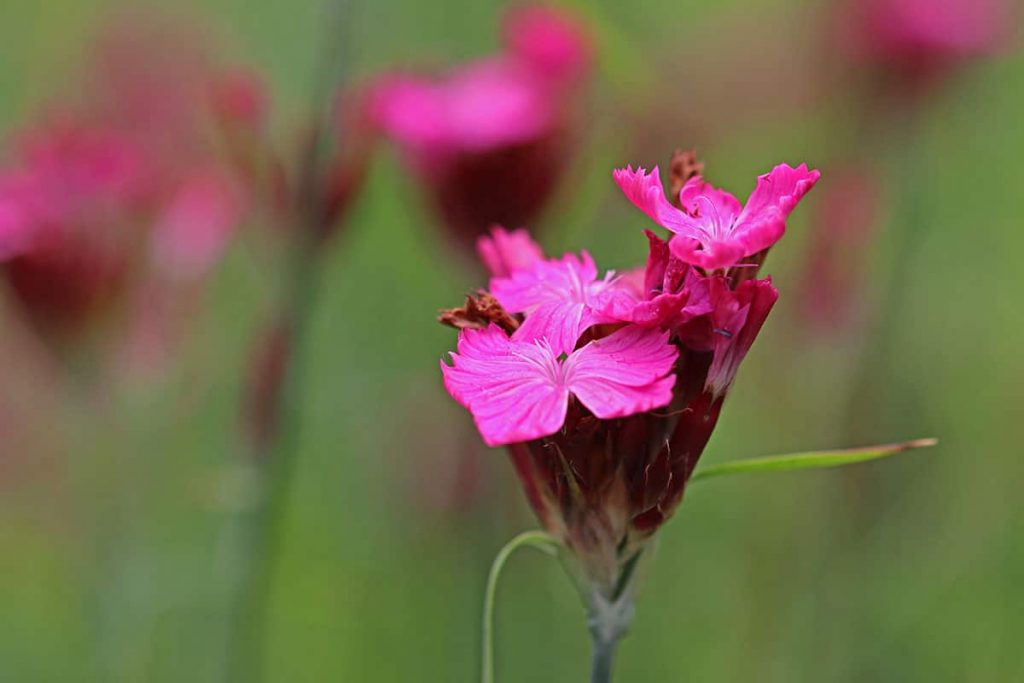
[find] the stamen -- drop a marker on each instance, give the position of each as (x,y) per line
(718,230)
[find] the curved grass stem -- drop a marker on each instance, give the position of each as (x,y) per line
(540,540)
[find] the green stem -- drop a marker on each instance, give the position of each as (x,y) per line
(602,659)
(262,525)
(609,619)
(540,540)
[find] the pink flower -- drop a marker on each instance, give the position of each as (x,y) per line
(505,252)
(127,171)
(560,298)
(72,170)
(917,37)
(712,230)
(14,221)
(519,390)
(69,207)
(197,224)
(478,107)
(552,42)
(604,471)
(509,99)
(490,140)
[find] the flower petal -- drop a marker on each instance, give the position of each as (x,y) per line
(513,389)
(506,251)
(408,108)
(763,220)
(556,296)
(624,373)
(648,195)
(700,196)
(737,319)
(559,322)
(707,253)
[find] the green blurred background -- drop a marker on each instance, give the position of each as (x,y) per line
(114,513)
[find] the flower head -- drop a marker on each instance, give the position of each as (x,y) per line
(713,231)
(554,43)
(61,201)
(607,389)
(489,140)
(108,198)
(918,38)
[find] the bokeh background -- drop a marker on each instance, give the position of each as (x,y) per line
(117,503)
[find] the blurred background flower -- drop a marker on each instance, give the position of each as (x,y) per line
(492,139)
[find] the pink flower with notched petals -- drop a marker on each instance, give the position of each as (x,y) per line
(602,461)
(519,390)
(561,298)
(507,251)
(712,230)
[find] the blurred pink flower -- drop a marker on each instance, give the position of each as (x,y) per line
(196,224)
(554,44)
(917,39)
(124,195)
(476,108)
(72,198)
(519,390)
(491,139)
(713,231)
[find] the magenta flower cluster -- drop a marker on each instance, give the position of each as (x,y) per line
(606,387)
(684,288)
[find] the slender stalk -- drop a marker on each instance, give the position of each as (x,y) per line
(609,620)
(540,540)
(602,659)
(262,525)
(609,615)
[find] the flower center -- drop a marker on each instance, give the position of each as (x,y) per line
(713,225)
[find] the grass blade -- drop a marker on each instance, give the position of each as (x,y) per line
(810,459)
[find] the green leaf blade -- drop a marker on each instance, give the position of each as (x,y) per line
(810,459)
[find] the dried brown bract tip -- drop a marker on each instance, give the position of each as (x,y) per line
(684,166)
(481,309)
